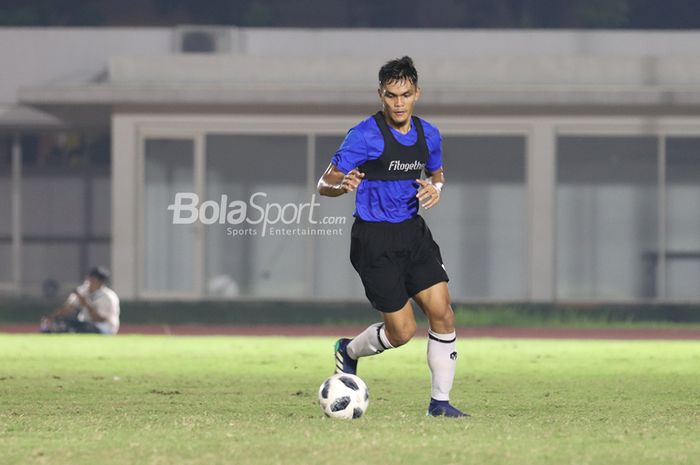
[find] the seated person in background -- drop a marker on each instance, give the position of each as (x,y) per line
(91,308)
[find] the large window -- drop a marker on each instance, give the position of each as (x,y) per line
(607,217)
(250,259)
(481,221)
(683,218)
(65,208)
(169,250)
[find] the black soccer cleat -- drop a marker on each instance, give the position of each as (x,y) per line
(442,408)
(343,362)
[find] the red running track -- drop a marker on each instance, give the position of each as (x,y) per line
(351,330)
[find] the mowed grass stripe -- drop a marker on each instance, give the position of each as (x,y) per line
(252,400)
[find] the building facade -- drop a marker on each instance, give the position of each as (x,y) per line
(572,160)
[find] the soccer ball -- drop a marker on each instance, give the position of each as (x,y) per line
(343,396)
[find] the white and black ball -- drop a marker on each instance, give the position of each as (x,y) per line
(343,396)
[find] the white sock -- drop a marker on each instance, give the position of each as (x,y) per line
(371,341)
(442,360)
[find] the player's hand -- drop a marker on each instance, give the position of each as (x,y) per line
(352,180)
(428,195)
(81,298)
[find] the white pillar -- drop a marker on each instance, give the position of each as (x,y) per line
(124,208)
(16,202)
(541,177)
(309,243)
(661,277)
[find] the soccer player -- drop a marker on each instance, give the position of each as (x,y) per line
(382,159)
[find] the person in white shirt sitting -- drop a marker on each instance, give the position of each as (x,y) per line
(91,308)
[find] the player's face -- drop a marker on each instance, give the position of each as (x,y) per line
(398,99)
(93,284)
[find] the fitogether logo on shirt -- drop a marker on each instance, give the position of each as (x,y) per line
(396,165)
(187,209)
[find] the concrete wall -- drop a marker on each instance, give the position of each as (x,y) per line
(42,56)
(45,56)
(540,71)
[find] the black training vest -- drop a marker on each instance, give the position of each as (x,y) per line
(397,161)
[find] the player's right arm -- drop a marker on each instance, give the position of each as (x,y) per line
(342,175)
(334,182)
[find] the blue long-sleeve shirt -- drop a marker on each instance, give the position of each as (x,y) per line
(379,200)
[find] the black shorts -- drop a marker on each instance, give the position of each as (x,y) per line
(395,261)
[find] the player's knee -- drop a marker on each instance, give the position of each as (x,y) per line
(442,318)
(401,335)
(448,316)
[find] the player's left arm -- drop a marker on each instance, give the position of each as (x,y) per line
(431,188)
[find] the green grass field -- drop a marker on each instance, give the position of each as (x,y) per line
(235,400)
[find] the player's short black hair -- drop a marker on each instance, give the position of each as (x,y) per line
(398,70)
(99,272)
